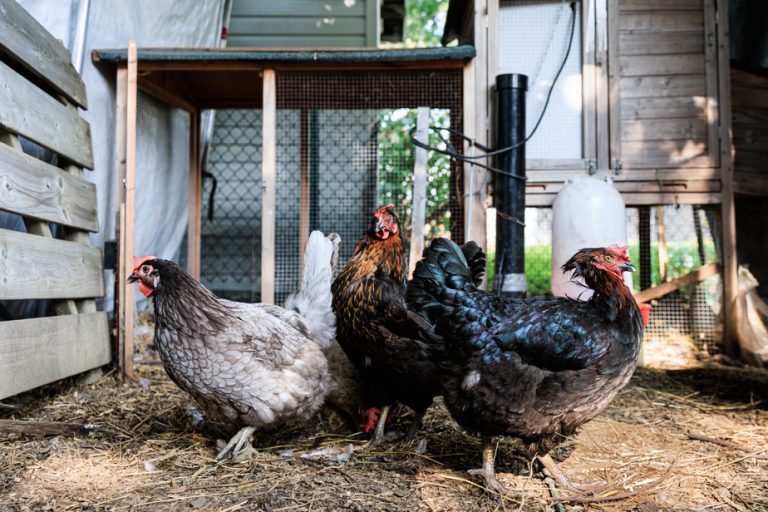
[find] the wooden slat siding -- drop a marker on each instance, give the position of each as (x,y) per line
(39,52)
(710,60)
(30,112)
(35,267)
(654,65)
(35,189)
(663,129)
(666,85)
(42,350)
(650,43)
(634,187)
(254,41)
(659,174)
(662,108)
(615,83)
(298,8)
(655,5)
(297,26)
(602,86)
(589,81)
(749,108)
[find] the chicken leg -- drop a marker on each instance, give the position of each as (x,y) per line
(236,443)
(413,429)
(488,471)
(378,434)
(563,479)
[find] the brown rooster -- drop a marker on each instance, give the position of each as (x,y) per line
(249,364)
(534,368)
(376,330)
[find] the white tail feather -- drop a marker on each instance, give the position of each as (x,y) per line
(313,300)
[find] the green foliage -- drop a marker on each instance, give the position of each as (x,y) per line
(424,22)
(396,161)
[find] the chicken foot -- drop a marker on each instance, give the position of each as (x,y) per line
(488,471)
(378,434)
(236,443)
(413,429)
(563,479)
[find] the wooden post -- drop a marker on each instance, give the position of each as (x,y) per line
(127,253)
(645,247)
(602,84)
(268,181)
(195,196)
(304,143)
(661,239)
(121,116)
(728,208)
(419,203)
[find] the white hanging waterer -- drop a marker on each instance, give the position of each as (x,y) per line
(587,212)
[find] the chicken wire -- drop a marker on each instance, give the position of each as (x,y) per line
(689,234)
(343,150)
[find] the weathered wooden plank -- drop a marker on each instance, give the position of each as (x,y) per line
(615,85)
(268,176)
(750,184)
(28,111)
(665,153)
(662,21)
(602,85)
(710,64)
(301,26)
(663,108)
(289,8)
(45,428)
(195,197)
(39,52)
(279,41)
(34,267)
(751,139)
(688,279)
(35,189)
(654,65)
(663,86)
(749,97)
(745,78)
(663,129)
(684,186)
(750,117)
(659,174)
(41,350)
(419,203)
(657,5)
(661,43)
(638,199)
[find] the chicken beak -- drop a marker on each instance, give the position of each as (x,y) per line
(379,226)
(627,267)
(133,278)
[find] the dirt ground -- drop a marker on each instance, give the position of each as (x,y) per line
(147,455)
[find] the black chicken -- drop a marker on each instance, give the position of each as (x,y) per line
(534,368)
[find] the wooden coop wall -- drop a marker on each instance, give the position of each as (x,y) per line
(650,102)
(40,93)
(749,100)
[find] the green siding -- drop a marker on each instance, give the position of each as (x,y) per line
(304,23)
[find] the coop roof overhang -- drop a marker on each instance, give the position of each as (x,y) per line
(195,79)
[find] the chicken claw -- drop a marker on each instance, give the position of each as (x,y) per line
(378,434)
(564,481)
(488,471)
(235,444)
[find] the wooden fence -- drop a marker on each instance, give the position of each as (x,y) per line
(40,93)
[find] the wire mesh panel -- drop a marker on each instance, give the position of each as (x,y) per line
(678,240)
(347,151)
(343,150)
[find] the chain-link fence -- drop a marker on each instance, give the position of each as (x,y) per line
(343,150)
(679,239)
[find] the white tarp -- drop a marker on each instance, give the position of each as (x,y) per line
(162,162)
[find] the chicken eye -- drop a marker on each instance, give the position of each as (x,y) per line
(145,269)
(608,258)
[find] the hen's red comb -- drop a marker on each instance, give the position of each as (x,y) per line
(384,209)
(139,261)
(621,251)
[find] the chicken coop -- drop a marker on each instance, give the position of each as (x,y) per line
(305,140)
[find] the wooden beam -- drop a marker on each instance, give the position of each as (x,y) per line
(304,199)
(661,240)
(688,279)
(728,209)
(123,290)
(41,54)
(158,91)
(589,78)
(419,203)
(644,229)
(45,428)
(195,197)
(602,85)
(268,180)
(614,85)
(129,249)
(44,120)
(42,350)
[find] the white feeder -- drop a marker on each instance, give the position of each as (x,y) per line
(588,212)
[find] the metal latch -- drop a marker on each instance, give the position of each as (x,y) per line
(591,165)
(617,165)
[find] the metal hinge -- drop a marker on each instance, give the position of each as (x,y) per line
(617,165)
(591,165)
